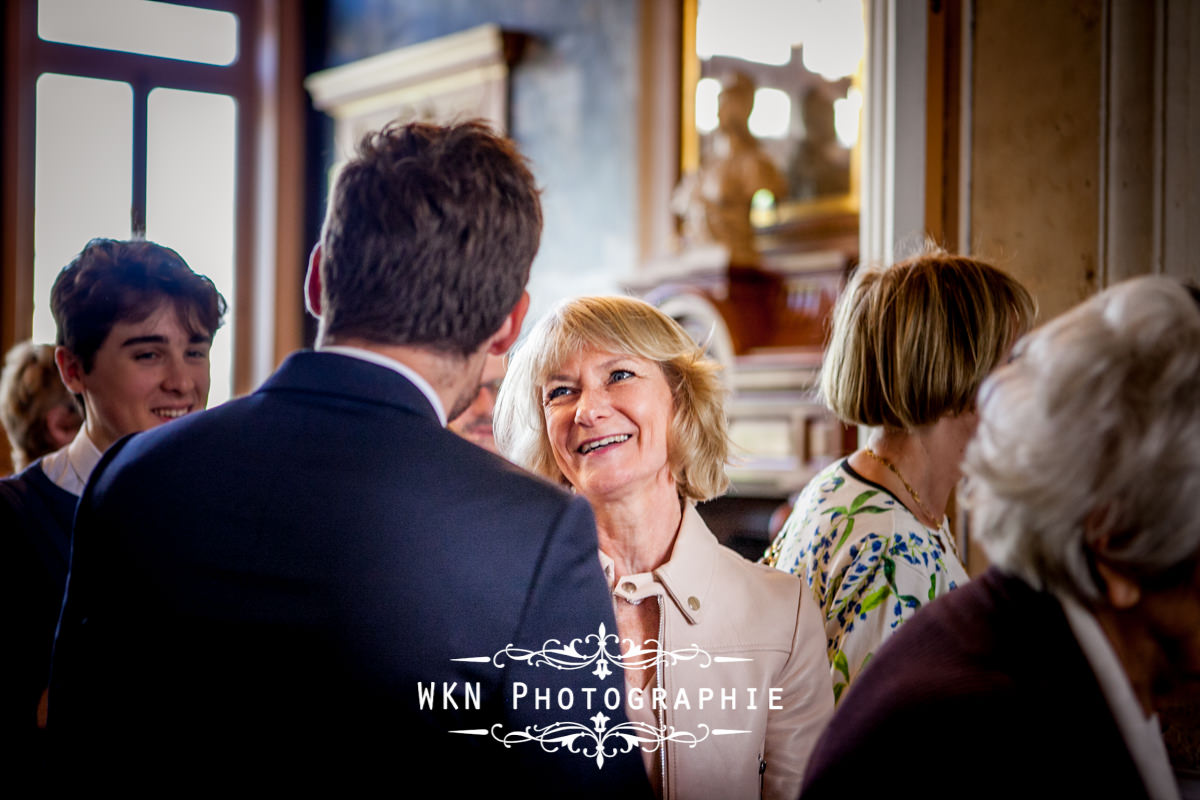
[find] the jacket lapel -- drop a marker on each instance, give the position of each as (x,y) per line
(688,574)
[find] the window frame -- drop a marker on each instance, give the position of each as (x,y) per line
(264,81)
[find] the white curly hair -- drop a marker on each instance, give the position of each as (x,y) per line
(1093,430)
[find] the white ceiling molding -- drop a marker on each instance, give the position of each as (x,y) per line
(456,77)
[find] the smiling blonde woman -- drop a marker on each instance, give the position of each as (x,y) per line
(610,397)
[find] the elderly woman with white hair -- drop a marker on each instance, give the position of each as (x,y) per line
(1043,676)
(722,660)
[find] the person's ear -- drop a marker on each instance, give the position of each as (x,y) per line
(70,369)
(312,283)
(1121,591)
(510,329)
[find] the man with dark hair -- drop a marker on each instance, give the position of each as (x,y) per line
(319,583)
(135,324)
(120,306)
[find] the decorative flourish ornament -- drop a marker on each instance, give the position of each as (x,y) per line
(599,742)
(601,649)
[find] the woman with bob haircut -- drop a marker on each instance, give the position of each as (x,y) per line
(1083,479)
(610,397)
(910,345)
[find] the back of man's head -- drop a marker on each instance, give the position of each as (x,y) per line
(429,238)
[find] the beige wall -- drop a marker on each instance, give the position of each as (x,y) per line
(1035,145)
(1084,142)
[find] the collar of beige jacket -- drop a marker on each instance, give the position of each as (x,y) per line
(687,576)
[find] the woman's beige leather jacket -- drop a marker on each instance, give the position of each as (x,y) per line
(736,638)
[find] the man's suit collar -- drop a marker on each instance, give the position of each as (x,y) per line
(351,378)
(416,378)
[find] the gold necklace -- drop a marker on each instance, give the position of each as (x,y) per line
(924,508)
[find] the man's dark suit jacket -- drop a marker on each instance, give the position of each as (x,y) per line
(984,693)
(259,590)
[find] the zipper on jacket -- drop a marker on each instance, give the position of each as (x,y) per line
(658,681)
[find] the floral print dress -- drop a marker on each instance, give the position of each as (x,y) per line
(869,562)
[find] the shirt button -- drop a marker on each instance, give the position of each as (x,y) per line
(629,586)
(694,603)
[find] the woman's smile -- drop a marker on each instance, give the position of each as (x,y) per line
(593,445)
(608,417)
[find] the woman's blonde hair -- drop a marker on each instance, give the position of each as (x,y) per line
(698,444)
(30,389)
(912,342)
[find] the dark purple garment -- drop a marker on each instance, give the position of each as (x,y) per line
(983,693)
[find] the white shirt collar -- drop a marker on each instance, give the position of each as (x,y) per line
(393,364)
(70,467)
(1143,736)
